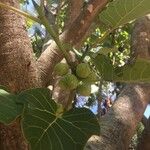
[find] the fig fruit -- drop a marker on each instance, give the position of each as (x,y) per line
(84,89)
(83,70)
(61,69)
(91,78)
(68,82)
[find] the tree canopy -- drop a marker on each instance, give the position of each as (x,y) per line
(56,53)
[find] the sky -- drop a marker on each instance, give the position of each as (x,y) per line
(30,9)
(147,112)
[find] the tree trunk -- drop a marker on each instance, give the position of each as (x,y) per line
(141,38)
(118,126)
(144,141)
(18,69)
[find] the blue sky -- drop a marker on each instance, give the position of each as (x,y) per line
(147,111)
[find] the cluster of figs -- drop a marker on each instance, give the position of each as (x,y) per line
(80,81)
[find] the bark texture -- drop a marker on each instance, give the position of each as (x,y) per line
(118,126)
(74,10)
(72,36)
(141,38)
(60,95)
(18,69)
(144,141)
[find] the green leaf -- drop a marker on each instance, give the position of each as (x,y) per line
(104,66)
(137,72)
(107,50)
(8,107)
(120,12)
(19,12)
(47,129)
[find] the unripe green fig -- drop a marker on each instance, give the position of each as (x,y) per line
(61,69)
(68,82)
(83,70)
(92,78)
(84,89)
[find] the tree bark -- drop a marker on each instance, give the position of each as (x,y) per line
(118,126)
(62,96)
(73,12)
(72,36)
(18,69)
(144,141)
(141,38)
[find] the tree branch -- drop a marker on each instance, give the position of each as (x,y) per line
(144,141)
(118,126)
(18,69)
(71,36)
(141,38)
(74,10)
(63,96)
(51,19)
(144,121)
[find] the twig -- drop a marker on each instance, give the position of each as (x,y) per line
(20,12)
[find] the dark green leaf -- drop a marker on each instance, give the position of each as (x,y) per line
(104,66)
(120,12)
(8,107)
(45,128)
(106,50)
(137,72)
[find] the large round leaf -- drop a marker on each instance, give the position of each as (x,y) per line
(8,107)
(47,128)
(120,12)
(137,72)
